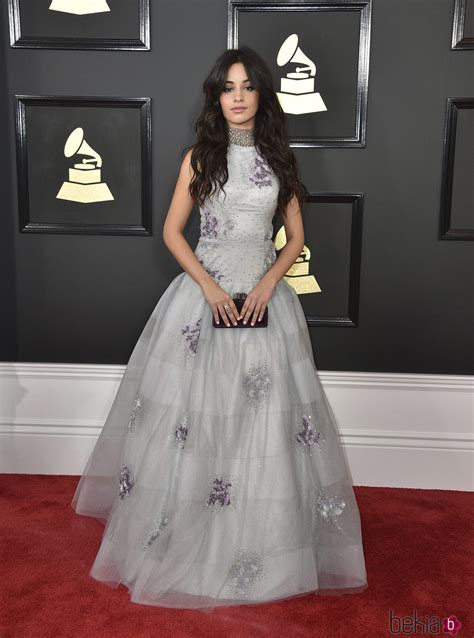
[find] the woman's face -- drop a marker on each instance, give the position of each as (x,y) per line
(240,93)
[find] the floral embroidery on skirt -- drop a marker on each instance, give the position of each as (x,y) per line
(246,570)
(256,385)
(126,481)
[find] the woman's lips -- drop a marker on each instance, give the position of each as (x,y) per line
(238,109)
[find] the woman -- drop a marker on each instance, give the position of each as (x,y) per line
(219,473)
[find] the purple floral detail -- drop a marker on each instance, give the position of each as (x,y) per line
(219,494)
(215,273)
(136,410)
(308,436)
(191,331)
(126,481)
(181,432)
(262,172)
(209,223)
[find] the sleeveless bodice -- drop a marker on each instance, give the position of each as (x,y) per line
(235,241)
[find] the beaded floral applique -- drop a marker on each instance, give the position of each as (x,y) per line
(246,570)
(330,507)
(126,481)
(256,385)
(261,173)
(209,223)
(308,436)
(157,529)
(136,410)
(220,493)
(181,432)
(214,272)
(191,333)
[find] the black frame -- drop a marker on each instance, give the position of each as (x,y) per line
(25,226)
(453,104)
(357,201)
(365,9)
(142,43)
(459,41)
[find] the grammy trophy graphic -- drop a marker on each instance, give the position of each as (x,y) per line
(79,7)
(298,275)
(297,95)
(84,184)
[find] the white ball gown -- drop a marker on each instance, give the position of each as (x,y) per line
(219,473)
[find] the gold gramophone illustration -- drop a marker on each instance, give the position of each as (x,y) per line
(84,183)
(298,275)
(297,95)
(79,7)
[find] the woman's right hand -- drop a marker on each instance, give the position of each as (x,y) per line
(217,298)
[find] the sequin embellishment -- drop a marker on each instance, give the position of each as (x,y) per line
(191,332)
(209,223)
(219,494)
(136,410)
(241,136)
(308,436)
(256,385)
(330,507)
(126,481)
(246,570)
(261,172)
(181,432)
(157,529)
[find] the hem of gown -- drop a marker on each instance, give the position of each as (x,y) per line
(209,604)
(217,603)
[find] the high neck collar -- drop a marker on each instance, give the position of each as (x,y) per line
(241,136)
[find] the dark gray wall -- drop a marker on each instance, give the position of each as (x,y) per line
(8,306)
(85,299)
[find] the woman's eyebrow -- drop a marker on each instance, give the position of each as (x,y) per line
(231,82)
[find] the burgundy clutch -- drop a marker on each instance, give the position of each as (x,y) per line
(239,300)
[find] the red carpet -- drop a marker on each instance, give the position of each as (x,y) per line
(419,554)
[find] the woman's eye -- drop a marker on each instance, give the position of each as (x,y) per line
(230,88)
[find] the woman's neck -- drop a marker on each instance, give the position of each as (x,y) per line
(241,136)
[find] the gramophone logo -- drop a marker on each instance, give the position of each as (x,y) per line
(79,7)
(297,95)
(298,275)
(84,183)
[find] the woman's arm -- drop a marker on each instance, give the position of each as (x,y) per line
(178,214)
(293,222)
(258,298)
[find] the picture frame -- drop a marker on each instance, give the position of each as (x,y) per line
(108,191)
(106,25)
(328,110)
(457,194)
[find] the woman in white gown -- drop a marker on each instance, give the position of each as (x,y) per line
(219,473)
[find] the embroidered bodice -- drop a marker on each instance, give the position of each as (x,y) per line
(236,225)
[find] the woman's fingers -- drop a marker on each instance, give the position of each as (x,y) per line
(252,311)
(230,313)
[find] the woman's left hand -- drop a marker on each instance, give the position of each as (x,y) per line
(256,301)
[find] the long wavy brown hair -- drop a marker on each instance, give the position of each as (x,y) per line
(209,155)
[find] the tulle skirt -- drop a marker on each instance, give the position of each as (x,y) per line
(219,473)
